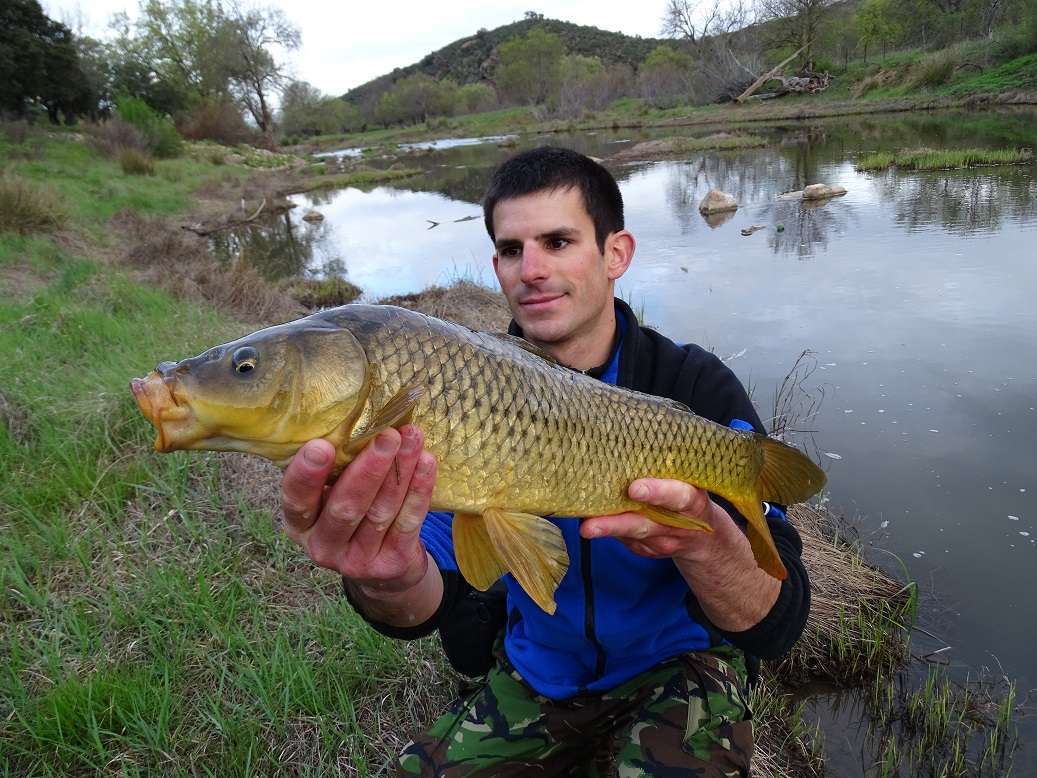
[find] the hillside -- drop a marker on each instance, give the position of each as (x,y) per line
(474,58)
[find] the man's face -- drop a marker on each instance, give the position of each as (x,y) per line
(557,282)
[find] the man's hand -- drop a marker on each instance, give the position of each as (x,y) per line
(365,525)
(719,566)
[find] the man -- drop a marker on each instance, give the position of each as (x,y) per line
(642,667)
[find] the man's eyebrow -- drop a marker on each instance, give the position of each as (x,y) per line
(560,232)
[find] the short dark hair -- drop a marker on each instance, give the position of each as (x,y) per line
(549,168)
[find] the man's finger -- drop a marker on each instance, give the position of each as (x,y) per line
(633,526)
(673,495)
(348,500)
(302,487)
(416,503)
(386,504)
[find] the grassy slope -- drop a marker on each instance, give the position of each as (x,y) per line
(151,617)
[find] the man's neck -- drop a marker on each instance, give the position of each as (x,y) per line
(587,350)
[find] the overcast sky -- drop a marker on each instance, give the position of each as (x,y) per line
(346,44)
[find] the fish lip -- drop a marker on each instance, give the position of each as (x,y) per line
(157,402)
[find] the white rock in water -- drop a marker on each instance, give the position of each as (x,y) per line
(313,216)
(821,191)
(717,202)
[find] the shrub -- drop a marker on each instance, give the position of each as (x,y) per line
(26,208)
(932,71)
(136,163)
(162,138)
(115,136)
(217,120)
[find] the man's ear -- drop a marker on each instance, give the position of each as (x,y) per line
(619,252)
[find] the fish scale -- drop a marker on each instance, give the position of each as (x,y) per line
(582,441)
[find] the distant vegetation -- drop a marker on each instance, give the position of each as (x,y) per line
(210,69)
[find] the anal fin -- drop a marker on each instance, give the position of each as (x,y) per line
(531,549)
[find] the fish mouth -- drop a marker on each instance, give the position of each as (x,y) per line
(158,404)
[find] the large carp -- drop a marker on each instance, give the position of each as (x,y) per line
(517,436)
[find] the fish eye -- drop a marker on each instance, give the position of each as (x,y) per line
(245,359)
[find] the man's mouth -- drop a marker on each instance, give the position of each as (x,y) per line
(539,301)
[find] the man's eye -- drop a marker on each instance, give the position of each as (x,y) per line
(557,243)
(511,251)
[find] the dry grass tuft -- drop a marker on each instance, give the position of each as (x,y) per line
(27,208)
(16,420)
(136,163)
(476,307)
(182,264)
(316,293)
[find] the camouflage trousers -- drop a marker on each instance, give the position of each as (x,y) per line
(685,717)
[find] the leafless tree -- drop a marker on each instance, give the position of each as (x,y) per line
(795,23)
(721,38)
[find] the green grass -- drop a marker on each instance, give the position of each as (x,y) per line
(27,207)
(942,159)
(152,616)
(1019,73)
(94,188)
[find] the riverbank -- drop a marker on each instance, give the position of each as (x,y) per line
(154,613)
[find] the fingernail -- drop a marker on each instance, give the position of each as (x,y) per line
(639,491)
(383,444)
(407,440)
(425,463)
(315,455)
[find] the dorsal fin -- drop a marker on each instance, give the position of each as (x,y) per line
(525,345)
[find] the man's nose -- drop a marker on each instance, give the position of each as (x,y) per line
(534,264)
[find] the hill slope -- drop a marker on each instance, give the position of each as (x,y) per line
(475,58)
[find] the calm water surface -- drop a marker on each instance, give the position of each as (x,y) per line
(917,293)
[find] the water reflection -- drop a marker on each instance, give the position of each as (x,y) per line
(280,247)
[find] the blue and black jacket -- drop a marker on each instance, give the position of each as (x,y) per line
(618,614)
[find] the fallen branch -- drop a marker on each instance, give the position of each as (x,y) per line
(768,76)
(206,231)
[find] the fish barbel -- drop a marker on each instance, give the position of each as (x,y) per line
(516,435)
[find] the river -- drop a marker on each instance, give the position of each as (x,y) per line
(915,292)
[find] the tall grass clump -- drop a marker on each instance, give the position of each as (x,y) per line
(27,208)
(931,72)
(162,138)
(942,159)
(136,163)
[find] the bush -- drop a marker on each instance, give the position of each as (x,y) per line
(115,136)
(162,138)
(136,163)
(217,120)
(26,208)
(933,71)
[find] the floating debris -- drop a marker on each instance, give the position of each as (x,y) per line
(833,455)
(1011,517)
(884,524)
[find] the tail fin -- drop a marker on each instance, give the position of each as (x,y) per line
(788,476)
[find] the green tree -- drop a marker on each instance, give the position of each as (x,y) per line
(876,24)
(665,77)
(530,69)
(476,98)
(305,111)
(39,64)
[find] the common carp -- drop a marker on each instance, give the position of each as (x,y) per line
(517,435)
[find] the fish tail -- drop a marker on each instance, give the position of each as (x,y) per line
(787,476)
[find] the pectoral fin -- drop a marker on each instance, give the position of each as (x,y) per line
(672,518)
(532,549)
(395,413)
(476,557)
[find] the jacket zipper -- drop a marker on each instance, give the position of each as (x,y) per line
(588,606)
